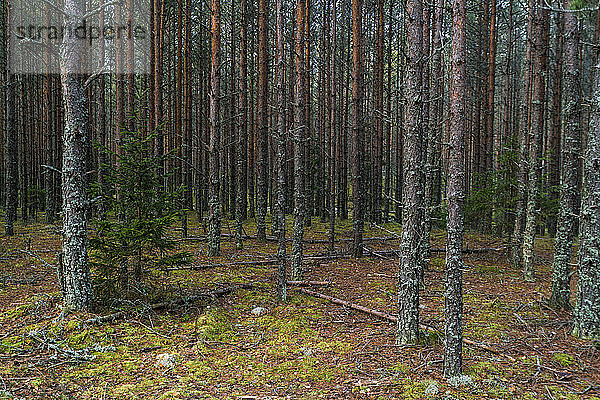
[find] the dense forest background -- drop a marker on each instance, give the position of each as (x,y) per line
(347,117)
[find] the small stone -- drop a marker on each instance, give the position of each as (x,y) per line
(432,389)
(258,311)
(306,351)
(165,360)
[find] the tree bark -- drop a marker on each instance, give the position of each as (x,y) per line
(242,142)
(587,309)
(263,125)
(299,145)
(567,220)
(536,130)
(555,123)
(456,176)
(357,149)
(75,274)
(281,160)
(214,202)
(412,197)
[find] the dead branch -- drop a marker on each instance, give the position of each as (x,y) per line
(308,283)
(393,318)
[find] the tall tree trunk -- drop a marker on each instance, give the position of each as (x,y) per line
(75,273)
(536,130)
(554,140)
(263,125)
(587,309)
(567,222)
(456,175)
(516,251)
(11,146)
(281,159)
(214,202)
(412,201)
(242,142)
(130,60)
(299,145)
(379,118)
(332,113)
(357,149)
(492,144)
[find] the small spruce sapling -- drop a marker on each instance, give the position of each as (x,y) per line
(131,239)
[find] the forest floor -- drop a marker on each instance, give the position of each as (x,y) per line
(306,348)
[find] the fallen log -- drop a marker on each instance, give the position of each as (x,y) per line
(158,306)
(393,318)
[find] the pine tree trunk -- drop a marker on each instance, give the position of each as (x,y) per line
(281,159)
(456,175)
(11,146)
(263,125)
(536,130)
(101,118)
(332,113)
(587,310)
(299,144)
(75,274)
(214,202)
(357,149)
(516,250)
(563,246)
(412,196)
(242,142)
(379,118)
(555,123)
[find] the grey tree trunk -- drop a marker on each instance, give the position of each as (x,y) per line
(281,160)
(456,177)
(536,131)
(412,196)
(587,309)
(75,273)
(214,202)
(299,137)
(563,246)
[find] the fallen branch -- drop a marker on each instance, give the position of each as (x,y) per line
(308,283)
(396,253)
(166,304)
(307,241)
(393,318)
(221,265)
(271,261)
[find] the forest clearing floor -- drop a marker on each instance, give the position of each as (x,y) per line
(306,348)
